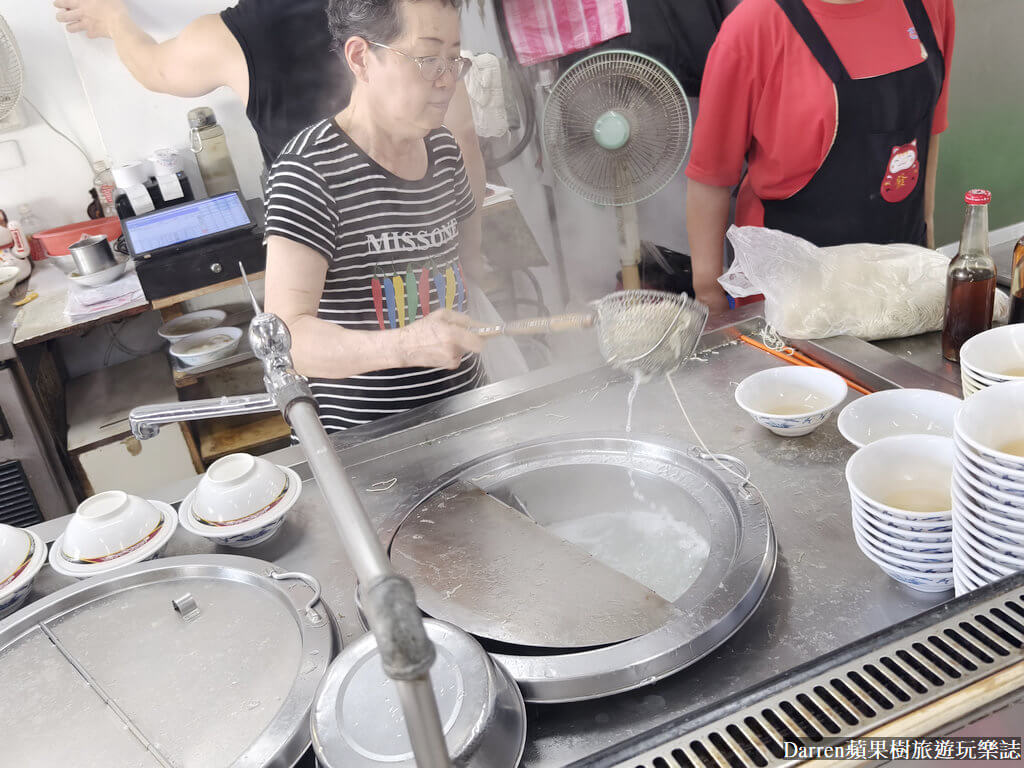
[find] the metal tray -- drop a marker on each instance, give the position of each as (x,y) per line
(188,661)
(558,478)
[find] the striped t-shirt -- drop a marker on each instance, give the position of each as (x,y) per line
(392,253)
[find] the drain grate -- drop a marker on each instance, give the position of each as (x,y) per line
(848,694)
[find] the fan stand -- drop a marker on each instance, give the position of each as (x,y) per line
(629,246)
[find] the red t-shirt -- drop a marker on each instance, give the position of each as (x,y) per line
(765,99)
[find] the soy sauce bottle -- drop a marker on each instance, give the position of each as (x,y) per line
(970,279)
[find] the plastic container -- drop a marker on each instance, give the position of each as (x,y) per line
(211,150)
(57,242)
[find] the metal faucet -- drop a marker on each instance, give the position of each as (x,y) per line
(388,599)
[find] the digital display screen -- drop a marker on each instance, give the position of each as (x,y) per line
(182,223)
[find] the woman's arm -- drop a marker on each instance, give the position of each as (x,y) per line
(707,218)
(294,284)
(202,57)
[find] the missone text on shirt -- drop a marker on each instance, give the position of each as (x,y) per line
(421,240)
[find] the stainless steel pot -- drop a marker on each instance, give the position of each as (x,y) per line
(92,254)
(356,721)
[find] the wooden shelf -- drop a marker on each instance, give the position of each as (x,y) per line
(241,434)
(169,301)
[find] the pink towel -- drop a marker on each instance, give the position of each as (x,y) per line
(546,29)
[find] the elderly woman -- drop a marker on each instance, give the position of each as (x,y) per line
(372,229)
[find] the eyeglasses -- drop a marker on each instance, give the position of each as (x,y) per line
(432,68)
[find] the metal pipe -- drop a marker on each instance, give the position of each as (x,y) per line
(418,696)
(145,420)
(354,528)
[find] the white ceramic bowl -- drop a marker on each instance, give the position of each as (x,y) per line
(207,346)
(104,276)
(22,554)
(978,379)
(966,526)
(109,525)
(985,559)
(989,469)
(194,322)
(906,476)
(931,539)
(898,412)
(8,279)
(877,556)
(791,400)
(238,488)
(995,514)
(996,354)
(994,556)
(231,495)
(980,573)
(983,488)
(992,424)
(910,556)
(145,551)
(922,582)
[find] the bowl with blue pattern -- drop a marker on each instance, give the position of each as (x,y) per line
(791,400)
(22,554)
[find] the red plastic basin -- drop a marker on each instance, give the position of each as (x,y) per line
(55,242)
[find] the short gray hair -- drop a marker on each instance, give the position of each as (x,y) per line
(377,21)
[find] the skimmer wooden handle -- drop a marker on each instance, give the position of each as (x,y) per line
(538,325)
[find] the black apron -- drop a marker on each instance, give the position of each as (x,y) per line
(870,188)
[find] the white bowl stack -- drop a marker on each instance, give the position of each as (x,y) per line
(902,517)
(992,357)
(988,486)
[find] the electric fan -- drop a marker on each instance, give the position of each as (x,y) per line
(11,78)
(616,129)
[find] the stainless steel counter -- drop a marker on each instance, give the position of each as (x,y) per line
(825,594)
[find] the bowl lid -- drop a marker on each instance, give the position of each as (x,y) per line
(357,716)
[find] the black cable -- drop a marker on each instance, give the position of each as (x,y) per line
(524,87)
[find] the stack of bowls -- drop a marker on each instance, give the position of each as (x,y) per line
(988,486)
(902,516)
(992,357)
(112,530)
(241,501)
(22,554)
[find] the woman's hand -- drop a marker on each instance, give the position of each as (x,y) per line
(439,340)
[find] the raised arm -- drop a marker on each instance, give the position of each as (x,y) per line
(202,57)
(294,283)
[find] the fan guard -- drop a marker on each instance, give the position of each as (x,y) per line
(616,127)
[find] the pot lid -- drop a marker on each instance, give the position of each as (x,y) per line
(357,718)
(202,660)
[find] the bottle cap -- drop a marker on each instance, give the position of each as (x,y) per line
(201,117)
(978,197)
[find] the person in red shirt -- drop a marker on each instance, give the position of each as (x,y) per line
(835,109)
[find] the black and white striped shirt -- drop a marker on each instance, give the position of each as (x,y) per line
(392,250)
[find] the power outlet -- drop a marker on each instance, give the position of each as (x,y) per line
(10,156)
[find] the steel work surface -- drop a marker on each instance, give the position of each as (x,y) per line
(825,594)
